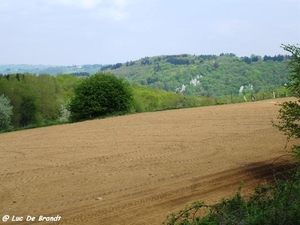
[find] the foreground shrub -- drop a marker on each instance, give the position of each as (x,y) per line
(270,204)
(289,114)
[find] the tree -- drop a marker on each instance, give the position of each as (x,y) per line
(5,113)
(289,114)
(28,111)
(100,95)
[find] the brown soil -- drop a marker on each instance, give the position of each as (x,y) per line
(137,169)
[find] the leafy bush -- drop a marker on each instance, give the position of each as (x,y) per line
(100,95)
(289,114)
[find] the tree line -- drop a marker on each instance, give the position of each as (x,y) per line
(28,100)
(36,99)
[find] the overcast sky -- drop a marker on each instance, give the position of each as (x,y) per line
(67,32)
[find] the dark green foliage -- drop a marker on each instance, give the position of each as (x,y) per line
(116,66)
(131,63)
(100,95)
(105,67)
(145,61)
(247,60)
(112,67)
(28,111)
(208,57)
(278,58)
(177,60)
(81,74)
(187,216)
(157,67)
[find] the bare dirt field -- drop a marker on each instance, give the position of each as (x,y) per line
(137,169)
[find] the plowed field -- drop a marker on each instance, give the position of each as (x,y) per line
(137,169)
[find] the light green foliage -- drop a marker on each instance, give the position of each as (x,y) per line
(66,83)
(5,113)
(100,95)
(153,99)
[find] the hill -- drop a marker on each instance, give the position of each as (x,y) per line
(138,168)
(206,75)
(202,75)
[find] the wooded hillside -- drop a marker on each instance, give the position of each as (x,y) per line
(206,75)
